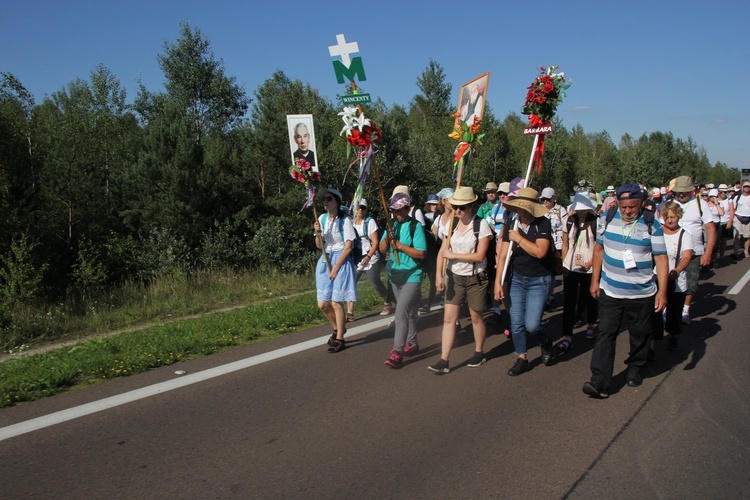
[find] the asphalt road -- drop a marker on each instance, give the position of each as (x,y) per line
(286,419)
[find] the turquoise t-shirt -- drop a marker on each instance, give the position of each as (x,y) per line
(406,263)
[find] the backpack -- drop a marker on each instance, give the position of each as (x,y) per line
(491,248)
(433,247)
(356,254)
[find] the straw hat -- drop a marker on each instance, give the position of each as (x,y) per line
(581,202)
(400,189)
(463,196)
(528,200)
(491,187)
(683,184)
(433,199)
(504,187)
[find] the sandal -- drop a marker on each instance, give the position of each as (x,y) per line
(349,317)
(564,345)
(337,346)
(332,340)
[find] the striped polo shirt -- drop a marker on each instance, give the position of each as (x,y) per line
(617,237)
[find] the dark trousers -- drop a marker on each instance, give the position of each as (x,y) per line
(637,316)
(577,295)
(675,301)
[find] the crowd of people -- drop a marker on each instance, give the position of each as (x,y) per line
(629,256)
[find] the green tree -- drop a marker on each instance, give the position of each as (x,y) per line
(196,81)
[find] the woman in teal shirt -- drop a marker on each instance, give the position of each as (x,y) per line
(407,239)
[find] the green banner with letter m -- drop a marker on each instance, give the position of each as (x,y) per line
(356,68)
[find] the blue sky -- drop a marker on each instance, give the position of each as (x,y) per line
(636,67)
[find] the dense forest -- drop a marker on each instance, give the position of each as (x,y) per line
(97,191)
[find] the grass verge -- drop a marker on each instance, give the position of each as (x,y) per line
(94,360)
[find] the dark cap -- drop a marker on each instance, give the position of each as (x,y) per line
(629,191)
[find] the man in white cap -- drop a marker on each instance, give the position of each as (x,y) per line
(557,214)
(697,220)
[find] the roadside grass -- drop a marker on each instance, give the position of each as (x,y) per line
(30,377)
(173,296)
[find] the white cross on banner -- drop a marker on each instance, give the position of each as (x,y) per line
(343,49)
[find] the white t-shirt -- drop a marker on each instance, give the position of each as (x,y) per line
(580,247)
(743,206)
(464,241)
(725,205)
(693,221)
(364,234)
(332,232)
(672,241)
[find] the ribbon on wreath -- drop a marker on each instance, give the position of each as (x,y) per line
(538,154)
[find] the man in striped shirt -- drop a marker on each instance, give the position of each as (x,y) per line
(627,247)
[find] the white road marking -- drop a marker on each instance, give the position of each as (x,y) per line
(740,284)
(128,397)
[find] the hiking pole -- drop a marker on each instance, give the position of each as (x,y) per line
(515,222)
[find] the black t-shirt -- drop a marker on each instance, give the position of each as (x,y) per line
(523,263)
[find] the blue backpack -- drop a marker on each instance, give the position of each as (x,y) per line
(356,254)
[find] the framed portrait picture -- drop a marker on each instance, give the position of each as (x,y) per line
(302,139)
(471,99)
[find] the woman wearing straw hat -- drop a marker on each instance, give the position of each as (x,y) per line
(530,273)
(337,284)
(579,237)
(466,278)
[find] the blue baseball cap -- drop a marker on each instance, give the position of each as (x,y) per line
(630,190)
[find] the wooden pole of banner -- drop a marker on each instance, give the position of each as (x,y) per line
(319,239)
(383,199)
(444,264)
(515,222)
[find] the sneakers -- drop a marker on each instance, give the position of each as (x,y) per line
(507,333)
(477,359)
(395,360)
(547,352)
(521,366)
(411,350)
(685,319)
(423,310)
(386,311)
(592,332)
(441,367)
(593,391)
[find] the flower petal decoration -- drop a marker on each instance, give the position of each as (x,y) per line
(543,96)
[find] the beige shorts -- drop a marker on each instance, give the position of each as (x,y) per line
(472,289)
(742,229)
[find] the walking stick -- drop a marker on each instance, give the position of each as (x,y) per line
(319,239)
(515,222)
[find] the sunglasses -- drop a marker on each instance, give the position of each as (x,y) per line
(328,198)
(460,207)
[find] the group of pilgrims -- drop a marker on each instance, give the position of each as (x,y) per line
(629,257)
